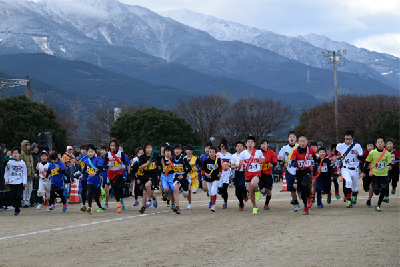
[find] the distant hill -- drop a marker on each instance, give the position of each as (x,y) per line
(79,77)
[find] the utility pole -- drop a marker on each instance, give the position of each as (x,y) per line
(334,61)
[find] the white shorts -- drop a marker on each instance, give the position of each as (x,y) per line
(44,186)
(213,188)
(351,178)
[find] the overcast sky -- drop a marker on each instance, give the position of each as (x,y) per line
(372,24)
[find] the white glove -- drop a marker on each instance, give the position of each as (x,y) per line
(123,166)
(110,164)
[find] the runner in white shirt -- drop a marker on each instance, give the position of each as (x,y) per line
(225,157)
(290,171)
(239,180)
(350,166)
(251,159)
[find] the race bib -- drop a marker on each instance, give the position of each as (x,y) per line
(380,165)
(54,172)
(324,169)
(90,170)
(178,169)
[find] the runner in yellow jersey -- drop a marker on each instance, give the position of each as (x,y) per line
(195,163)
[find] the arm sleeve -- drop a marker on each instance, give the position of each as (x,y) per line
(100,169)
(24,175)
(123,159)
(188,167)
(105,162)
(204,167)
(315,169)
(6,173)
(366,165)
(219,165)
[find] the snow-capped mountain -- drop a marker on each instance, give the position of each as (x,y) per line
(83,29)
(305,49)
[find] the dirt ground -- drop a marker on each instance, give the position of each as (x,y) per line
(332,236)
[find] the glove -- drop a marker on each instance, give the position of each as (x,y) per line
(123,166)
(110,164)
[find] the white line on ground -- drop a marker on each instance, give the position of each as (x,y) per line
(85,224)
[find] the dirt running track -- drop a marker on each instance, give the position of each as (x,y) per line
(333,236)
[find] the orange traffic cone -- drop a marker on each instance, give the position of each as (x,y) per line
(46,202)
(74,197)
(284,186)
(341,177)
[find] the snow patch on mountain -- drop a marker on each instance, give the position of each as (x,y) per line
(43,44)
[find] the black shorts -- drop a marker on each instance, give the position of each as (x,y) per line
(379,183)
(144,181)
(103,180)
(324,185)
(303,180)
(184,183)
(266,181)
(366,182)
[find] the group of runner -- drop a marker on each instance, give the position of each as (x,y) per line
(308,168)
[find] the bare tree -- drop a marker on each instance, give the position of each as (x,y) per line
(102,119)
(358,113)
(206,114)
(259,117)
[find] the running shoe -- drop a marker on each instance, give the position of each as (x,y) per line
(309,203)
(48,208)
(172,206)
(89,210)
(83,208)
(52,207)
(100,210)
(368,203)
(123,204)
(65,207)
(257,195)
(224,206)
(165,197)
(155,202)
(393,191)
(16,213)
(329,200)
(190,207)
(119,210)
(320,206)
(266,207)
(378,208)
(305,211)
(354,200)
(119,205)
(177,210)
(292,202)
(255,211)
(241,207)
(142,210)
(297,207)
(209,205)
(106,207)
(246,198)
(213,208)
(136,203)
(148,204)
(39,207)
(349,204)
(337,196)
(386,200)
